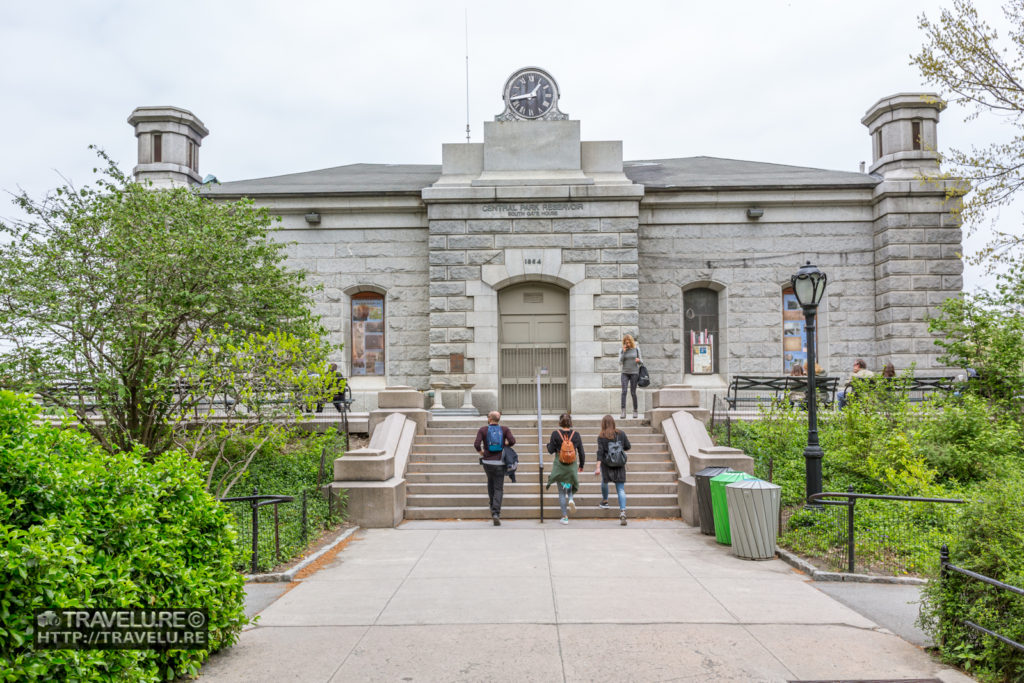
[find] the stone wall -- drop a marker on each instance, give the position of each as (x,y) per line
(588,247)
(385,252)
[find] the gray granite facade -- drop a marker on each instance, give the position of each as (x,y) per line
(626,241)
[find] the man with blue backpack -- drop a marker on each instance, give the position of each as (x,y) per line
(490,443)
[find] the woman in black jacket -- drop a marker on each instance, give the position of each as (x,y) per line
(612,445)
(566,476)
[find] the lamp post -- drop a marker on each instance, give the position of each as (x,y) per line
(809,288)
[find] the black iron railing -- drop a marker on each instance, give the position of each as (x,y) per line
(891,533)
(256,501)
(945,567)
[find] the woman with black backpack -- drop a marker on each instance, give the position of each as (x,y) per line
(612,445)
(567,447)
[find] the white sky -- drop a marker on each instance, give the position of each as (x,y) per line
(295,86)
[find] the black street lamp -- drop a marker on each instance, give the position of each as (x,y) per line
(809,287)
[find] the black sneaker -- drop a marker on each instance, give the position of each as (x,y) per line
(496,519)
(603,505)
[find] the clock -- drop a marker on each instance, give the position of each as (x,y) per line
(530,94)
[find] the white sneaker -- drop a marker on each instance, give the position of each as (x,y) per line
(622,415)
(564,520)
(572,505)
(622,518)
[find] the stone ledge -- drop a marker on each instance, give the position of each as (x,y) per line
(816,574)
(289,576)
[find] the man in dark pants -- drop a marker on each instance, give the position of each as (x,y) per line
(491,440)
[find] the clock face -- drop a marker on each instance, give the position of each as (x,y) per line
(530,93)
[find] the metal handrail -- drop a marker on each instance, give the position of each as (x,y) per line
(945,566)
(851,502)
(257,500)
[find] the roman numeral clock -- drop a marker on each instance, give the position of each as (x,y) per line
(531,94)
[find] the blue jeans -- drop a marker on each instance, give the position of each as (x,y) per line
(620,491)
(564,496)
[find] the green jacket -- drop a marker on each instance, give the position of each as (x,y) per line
(564,474)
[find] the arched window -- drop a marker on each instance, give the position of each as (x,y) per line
(794,336)
(367,334)
(700,331)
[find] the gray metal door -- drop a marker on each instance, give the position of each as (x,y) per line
(534,332)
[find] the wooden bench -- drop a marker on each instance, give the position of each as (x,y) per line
(753,390)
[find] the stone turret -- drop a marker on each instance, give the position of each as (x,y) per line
(169,140)
(903,134)
(917,230)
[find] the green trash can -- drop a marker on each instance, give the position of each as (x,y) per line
(720,506)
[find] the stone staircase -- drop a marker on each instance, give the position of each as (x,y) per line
(444,479)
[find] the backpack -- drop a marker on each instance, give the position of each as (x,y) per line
(495,438)
(567,452)
(615,456)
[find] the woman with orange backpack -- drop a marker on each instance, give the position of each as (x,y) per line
(566,445)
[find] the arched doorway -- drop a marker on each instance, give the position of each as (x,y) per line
(533,333)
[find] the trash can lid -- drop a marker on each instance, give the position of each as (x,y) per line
(712,471)
(732,476)
(752,484)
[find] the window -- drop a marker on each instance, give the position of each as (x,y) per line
(191,160)
(915,134)
(158,152)
(878,144)
(700,330)
(367,334)
(794,336)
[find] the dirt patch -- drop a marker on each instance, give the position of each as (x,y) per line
(326,538)
(324,559)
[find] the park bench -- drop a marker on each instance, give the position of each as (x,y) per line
(749,390)
(917,389)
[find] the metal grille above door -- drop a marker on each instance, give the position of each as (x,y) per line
(534,333)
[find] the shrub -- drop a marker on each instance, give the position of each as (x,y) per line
(966,441)
(990,542)
(288,463)
(82,527)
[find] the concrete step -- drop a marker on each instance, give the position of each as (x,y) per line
(526,486)
(460,450)
(583,499)
(636,467)
(551,514)
(525,421)
(478,478)
(467,436)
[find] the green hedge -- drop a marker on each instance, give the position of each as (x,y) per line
(287,464)
(991,543)
(80,527)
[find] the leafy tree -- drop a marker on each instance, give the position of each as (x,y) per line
(254,385)
(985,332)
(116,297)
(971,65)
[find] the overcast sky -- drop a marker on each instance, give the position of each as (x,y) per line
(301,85)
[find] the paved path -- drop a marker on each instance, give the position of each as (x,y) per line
(435,601)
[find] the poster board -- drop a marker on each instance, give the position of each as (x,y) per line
(701,360)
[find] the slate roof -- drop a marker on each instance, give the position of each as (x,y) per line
(694,173)
(351,179)
(712,173)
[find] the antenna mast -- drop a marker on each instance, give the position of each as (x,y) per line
(467,74)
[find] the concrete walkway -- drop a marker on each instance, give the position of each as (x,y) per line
(464,601)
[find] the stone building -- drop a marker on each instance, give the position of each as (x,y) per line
(537,249)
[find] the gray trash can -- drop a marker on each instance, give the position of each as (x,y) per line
(704,511)
(753,518)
